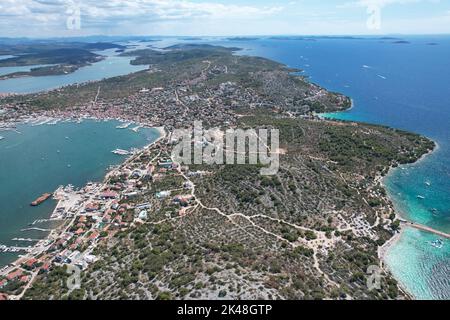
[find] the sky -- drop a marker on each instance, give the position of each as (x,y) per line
(61,18)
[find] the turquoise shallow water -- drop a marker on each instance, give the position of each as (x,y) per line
(43,157)
(422,268)
(421,193)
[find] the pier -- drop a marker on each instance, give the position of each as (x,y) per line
(44,220)
(4,248)
(25,239)
(36,229)
(425,228)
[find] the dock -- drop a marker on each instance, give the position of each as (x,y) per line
(36,229)
(425,228)
(14,249)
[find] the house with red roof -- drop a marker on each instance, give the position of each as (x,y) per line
(31,264)
(92,207)
(14,275)
(94,235)
(109,195)
(45,267)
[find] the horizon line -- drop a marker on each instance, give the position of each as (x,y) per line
(231,35)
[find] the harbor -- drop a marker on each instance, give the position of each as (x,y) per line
(53,160)
(95,211)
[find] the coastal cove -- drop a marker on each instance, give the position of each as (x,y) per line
(38,158)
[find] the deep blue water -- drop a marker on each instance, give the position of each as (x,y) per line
(405,86)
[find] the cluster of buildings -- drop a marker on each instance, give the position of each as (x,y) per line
(170,106)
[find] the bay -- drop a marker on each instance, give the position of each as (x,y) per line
(41,158)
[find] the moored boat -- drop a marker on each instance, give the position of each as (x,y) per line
(124,126)
(439,243)
(121,152)
(41,199)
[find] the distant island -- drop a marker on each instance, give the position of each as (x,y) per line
(401,42)
(242,39)
(65,58)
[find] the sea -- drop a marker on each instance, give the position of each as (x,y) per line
(397,81)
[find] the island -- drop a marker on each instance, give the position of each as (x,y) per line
(155,228)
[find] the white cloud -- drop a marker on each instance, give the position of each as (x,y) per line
(50,15)
(381,3)
(162,9)
(201,17)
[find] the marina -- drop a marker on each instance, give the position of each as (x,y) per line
(87,150)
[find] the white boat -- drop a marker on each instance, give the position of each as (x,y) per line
(428,183)
(1,138)
(438,243)
(124,126)
(121,152)
(53,122)
(420,197)
(136,129)
(434,211)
